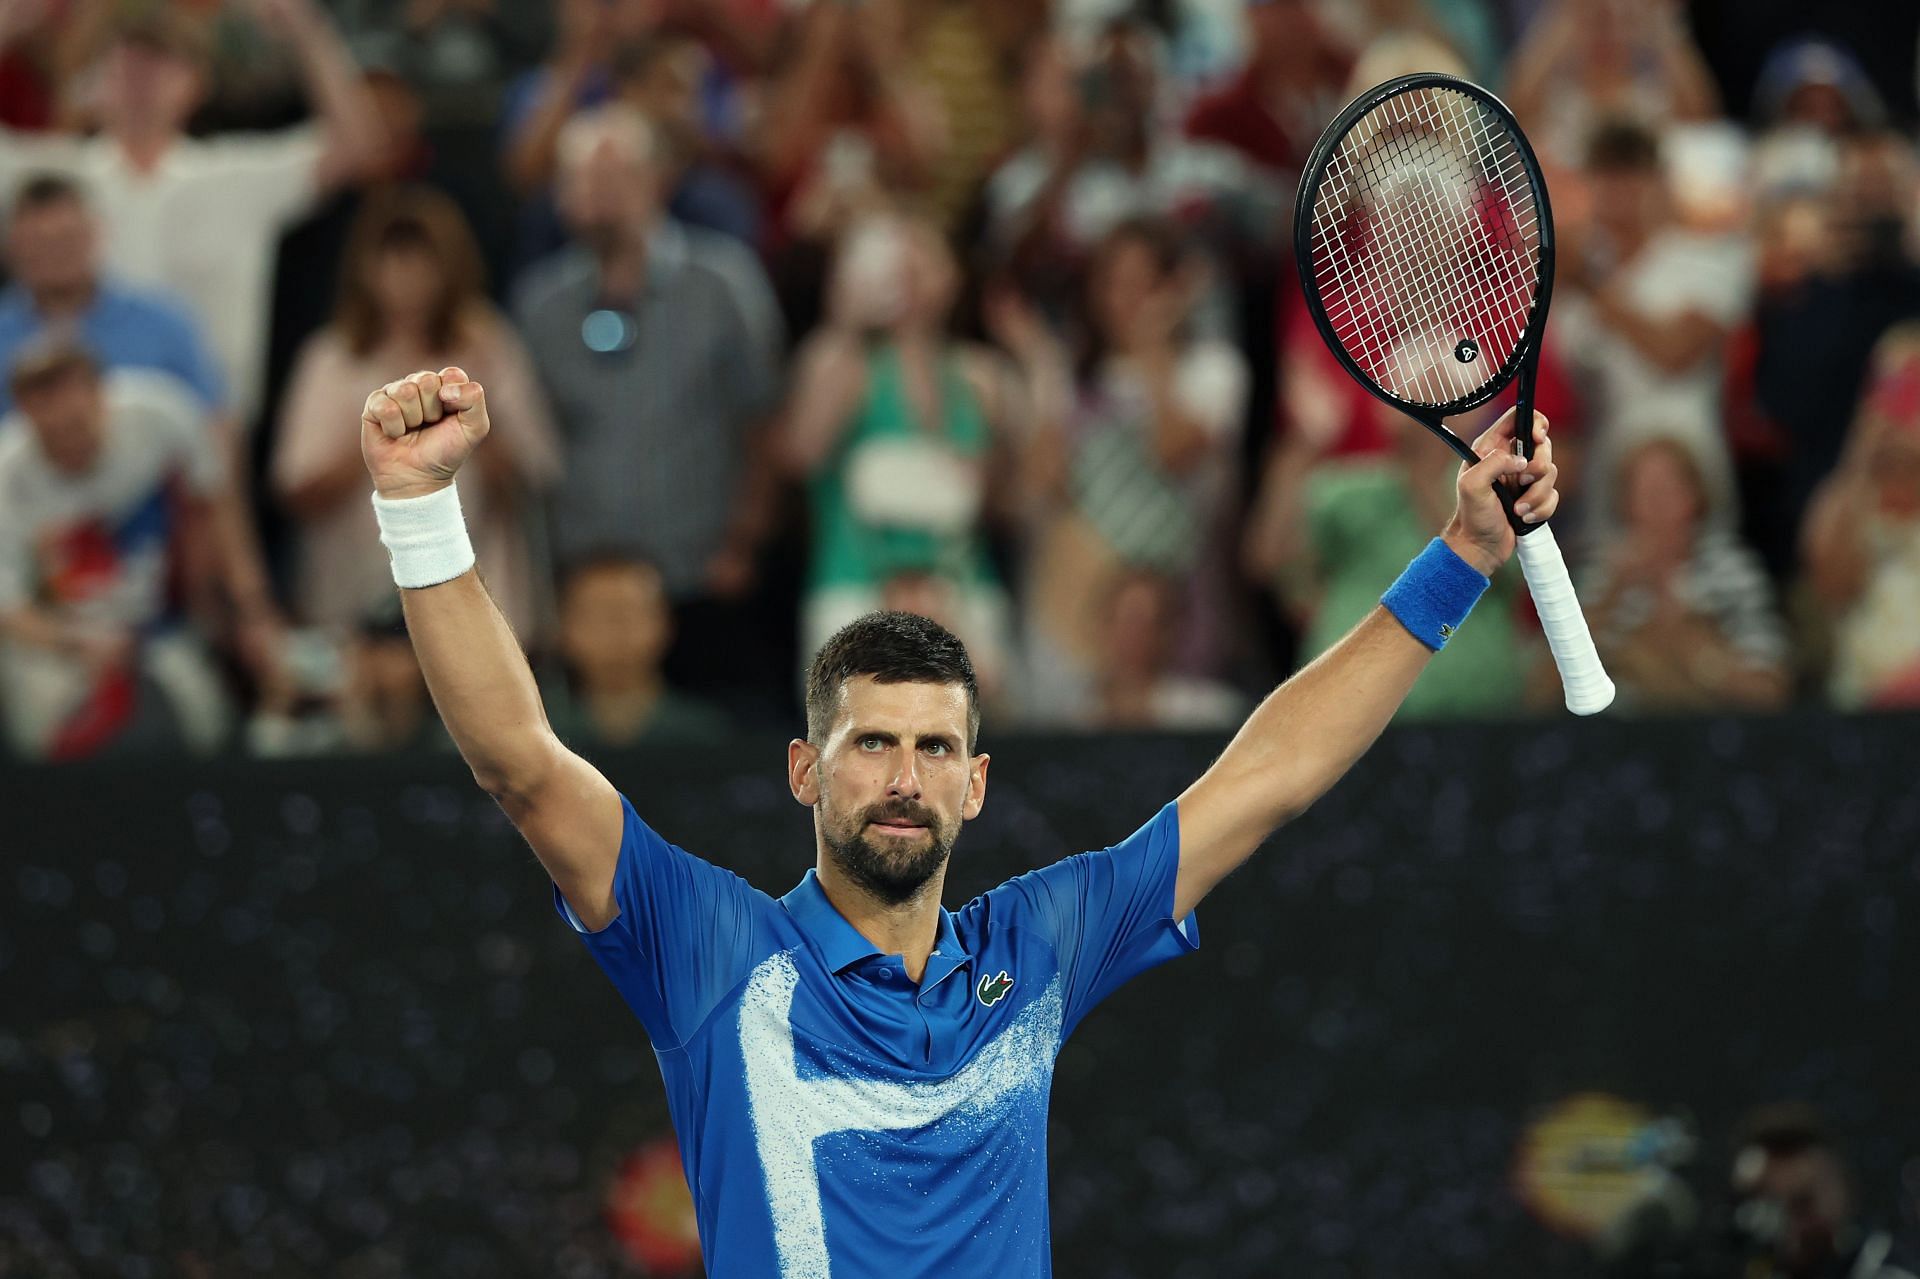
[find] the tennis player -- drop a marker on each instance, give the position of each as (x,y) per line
(859,1076)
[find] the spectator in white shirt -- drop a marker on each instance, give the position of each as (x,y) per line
(201,216)
(1645,309)
(104,479)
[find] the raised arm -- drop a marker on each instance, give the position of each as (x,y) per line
(415,434)
(356,140)
(1310,730)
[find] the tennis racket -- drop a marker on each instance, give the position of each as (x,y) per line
(1425,247)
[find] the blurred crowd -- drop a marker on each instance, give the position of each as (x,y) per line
(793,309)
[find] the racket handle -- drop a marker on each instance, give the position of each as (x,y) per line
(1582,677)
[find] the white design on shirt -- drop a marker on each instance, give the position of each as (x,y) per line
(790,1113)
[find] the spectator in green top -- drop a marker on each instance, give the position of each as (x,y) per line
(1352,523)
(898,430)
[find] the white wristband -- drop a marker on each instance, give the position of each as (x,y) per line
(426,537)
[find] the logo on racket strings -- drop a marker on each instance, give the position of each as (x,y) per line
(1467,352)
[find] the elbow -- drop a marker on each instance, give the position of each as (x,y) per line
(514,780)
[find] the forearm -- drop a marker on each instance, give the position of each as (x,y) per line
(1672,345)
(481,683)
(530,156)
(33,627)
(1310,730)
(338,94)
(243,568)
(1179,442)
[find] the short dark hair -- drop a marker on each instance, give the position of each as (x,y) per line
(1784,1129)
(599,559)
(894,648)
(1623,146)
(45,190)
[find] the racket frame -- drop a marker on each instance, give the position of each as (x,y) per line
(1524,361)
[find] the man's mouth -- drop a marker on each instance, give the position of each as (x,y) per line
(896,826)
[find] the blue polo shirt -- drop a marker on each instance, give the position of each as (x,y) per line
(838,1121)
(124,328)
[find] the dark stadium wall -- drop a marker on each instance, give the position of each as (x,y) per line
(320,1018)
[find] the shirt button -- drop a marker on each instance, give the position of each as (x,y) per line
(886,974)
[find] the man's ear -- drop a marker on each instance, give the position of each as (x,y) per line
(803,771)
(976,787)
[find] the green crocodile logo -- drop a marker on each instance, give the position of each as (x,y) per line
(994,989)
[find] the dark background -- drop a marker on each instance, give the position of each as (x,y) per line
(319,1018)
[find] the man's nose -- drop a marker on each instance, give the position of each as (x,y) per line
(906,778)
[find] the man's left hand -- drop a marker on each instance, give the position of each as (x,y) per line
(1479,532)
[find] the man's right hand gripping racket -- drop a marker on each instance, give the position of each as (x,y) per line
(1425,246)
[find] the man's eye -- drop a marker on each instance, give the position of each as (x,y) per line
(937,748)
(870,743)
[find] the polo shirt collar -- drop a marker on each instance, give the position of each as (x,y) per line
(668,252)
(842,945)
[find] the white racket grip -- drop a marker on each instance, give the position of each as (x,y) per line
(1582,677)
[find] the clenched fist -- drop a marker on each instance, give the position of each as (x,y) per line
(417,432)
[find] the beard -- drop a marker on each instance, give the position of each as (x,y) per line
(889,868)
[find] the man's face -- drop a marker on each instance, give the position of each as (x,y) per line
(891,783)
(1811,1192)
(1629,203)
(608,192)
(50,248)
(614,625)
(66,416)
(148,88)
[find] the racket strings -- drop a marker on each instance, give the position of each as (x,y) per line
(1426,228)
(1427,232)
(1427,237)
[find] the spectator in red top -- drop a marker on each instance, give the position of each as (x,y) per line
(1275,108)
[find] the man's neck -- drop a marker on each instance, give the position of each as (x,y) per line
(144,148)
(55,305)
(623,266)
(621,713)
(907,930)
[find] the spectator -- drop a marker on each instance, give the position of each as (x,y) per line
(200,216)
(1327,531)
(1583,62)
(634,50)
(1137,471)
(1291,86)
(1816,332)
(1862,538)
(896,427)
(846,109)
(53,256)
(1109,158)
(615,629)
(59,291)
(659,346)
(1817,83)
(1681,611)
(1644,310)
(412,296)
(103,480)
(383,707)
(1796,1213)
(1135,686)
(664,78)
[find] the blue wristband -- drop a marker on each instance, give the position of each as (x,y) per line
(1435,594)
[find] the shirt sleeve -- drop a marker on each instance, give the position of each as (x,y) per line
(174,414)
(687,933)
(1108,915)
(190,359)
(274,176)
(756,380)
